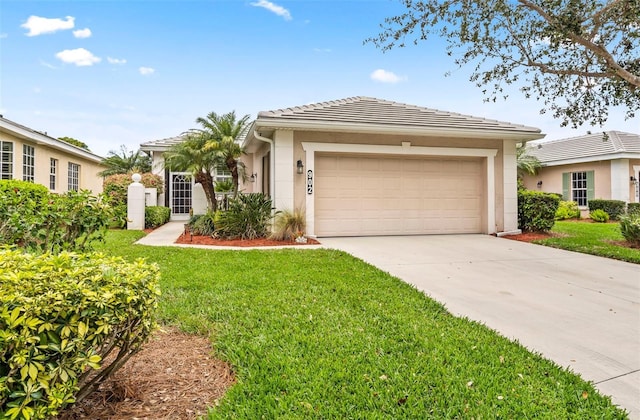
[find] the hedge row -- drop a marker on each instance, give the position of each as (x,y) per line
(614,208)
(155,216)
(536,210)
(60,317)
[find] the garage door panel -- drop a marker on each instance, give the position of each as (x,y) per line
(356,195)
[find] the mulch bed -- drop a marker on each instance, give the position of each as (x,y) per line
(208,240)
(529,236)
(172,377)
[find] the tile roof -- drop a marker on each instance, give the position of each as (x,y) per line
(166,143)
(373,111)
(595,146)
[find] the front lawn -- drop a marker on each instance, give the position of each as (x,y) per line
(320,334)
(602,239)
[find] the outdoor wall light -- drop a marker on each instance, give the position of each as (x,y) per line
(299,167)
(632,178)
(253,177)
(539,184)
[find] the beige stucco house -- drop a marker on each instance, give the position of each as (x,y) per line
(365,166)
(601,165)
(29,155)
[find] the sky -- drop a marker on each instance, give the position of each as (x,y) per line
(123,72)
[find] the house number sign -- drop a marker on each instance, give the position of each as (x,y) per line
(309,182)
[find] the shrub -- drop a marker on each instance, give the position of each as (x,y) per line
(224,185)
(116,187)
(567,210)
(203,224)
(61,317)
(630,229)
(46,222)
(633,209)
(288,225)
(248,217)
(536,210)
(599,216)
(155,216)
(614,208)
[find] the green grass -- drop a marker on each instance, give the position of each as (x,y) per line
(592,238)
(320,334)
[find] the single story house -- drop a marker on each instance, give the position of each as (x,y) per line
(364,166)
(598,165)
(30,155)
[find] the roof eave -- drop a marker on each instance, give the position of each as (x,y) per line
(507,134)
(588,159)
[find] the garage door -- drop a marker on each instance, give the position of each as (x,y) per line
(366,196)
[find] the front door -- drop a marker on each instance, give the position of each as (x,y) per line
(181,193)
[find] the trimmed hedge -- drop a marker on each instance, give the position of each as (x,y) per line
(61,316)
(33,218)
(116,188)
(155,216)
(633,209)
(536,210)
(614,208)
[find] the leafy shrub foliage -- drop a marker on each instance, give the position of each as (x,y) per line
(633,209)
(248,217)
(288,225)
(614,208)
(60,317)
(203,224)
(567,210)
(599,216)
(116,187)
(34,218)
(536,210)
(630,228)
(155,216)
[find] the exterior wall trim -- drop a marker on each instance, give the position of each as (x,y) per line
(404,149)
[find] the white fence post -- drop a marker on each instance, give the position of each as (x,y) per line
(135,204)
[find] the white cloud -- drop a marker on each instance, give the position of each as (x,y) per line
(272,7)
(4,35)
(146,71)
(48,65)
(80,57)
(322,50)
(38,25)
(385,76)
(82,33)
(112,60)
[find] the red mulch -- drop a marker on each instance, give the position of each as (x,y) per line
(208,240)
(529,236)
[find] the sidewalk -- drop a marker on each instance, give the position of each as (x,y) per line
(167,234)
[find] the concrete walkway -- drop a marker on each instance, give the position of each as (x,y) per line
(581,311)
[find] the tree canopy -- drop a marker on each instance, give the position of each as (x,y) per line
(577,57)
(74,142)
(125,162)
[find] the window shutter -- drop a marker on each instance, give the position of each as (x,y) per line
(590,186)
(565,186)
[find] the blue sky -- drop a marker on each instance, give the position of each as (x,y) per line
(113,72)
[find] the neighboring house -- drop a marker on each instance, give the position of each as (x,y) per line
(29,155)
(365,166)
(600,165)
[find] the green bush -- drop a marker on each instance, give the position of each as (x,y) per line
(248,217)
(599,216)
(203,224)
(116,187)
(633,209)
(41,221)
(61,316)
(288,225)
(614,208)
(536,210)
(567,210)
(155,216)
(630,229)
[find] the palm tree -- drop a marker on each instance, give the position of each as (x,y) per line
(192,155)
(223,131)
(527,164)
(125,162)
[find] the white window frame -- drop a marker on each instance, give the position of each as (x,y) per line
(53,174)
(28,163)
(6,160)
(579,188)
(73,183)
(221,173)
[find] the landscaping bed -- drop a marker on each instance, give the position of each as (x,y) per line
(258,242)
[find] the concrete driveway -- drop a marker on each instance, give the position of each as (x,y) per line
(581,311)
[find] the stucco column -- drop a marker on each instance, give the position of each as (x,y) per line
(510,185)
(284,169)
(620,180)
(135,204)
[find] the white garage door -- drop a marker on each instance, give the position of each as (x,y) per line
(366,196)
